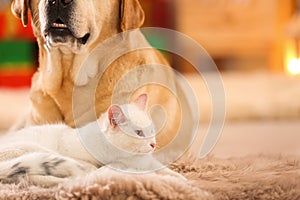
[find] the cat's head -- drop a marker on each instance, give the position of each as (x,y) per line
(129,127)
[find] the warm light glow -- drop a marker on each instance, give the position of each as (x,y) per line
(292,59)
(294,66)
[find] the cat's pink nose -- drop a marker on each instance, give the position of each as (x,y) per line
(153,145)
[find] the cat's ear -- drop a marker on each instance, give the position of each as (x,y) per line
(141,101)
(116,116)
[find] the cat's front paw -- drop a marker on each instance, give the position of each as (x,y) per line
(46,181)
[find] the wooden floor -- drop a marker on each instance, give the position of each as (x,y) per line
(254,137)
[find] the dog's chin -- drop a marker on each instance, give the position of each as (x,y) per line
(64,38)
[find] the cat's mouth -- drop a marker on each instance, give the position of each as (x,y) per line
(146,151)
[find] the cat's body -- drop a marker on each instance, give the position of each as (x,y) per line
(58,138)
(46,155)
(49,154)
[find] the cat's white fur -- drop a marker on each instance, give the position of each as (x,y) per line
(49,154)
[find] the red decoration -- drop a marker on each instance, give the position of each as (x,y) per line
(3,24)
(12,28)
(24,32)
(16,79)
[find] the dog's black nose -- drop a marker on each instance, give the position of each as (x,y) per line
(66,2)
(52,2)
(63,2)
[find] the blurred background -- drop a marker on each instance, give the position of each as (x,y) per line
(255,44)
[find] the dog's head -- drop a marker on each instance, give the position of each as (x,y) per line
(77,24)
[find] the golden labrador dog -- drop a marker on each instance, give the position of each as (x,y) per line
(68,31)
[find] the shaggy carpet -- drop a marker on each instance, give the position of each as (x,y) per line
(252,177)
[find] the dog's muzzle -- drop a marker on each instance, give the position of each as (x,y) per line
(59,26)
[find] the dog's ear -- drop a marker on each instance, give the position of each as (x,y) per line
(132,15)
(20,9)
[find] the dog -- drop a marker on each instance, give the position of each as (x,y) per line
(67,32)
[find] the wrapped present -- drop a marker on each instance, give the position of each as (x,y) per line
(17,51)
(17,60)
(14,52)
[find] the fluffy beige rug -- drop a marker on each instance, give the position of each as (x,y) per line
(252,177)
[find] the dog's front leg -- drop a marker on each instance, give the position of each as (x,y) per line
(44,109)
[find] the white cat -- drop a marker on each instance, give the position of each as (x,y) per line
(123,138)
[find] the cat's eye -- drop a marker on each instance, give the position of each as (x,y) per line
(140,133)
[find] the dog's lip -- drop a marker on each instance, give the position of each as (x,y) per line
(82,40)
(85,38)
(60,25)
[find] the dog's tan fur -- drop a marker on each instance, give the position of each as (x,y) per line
(59,64)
